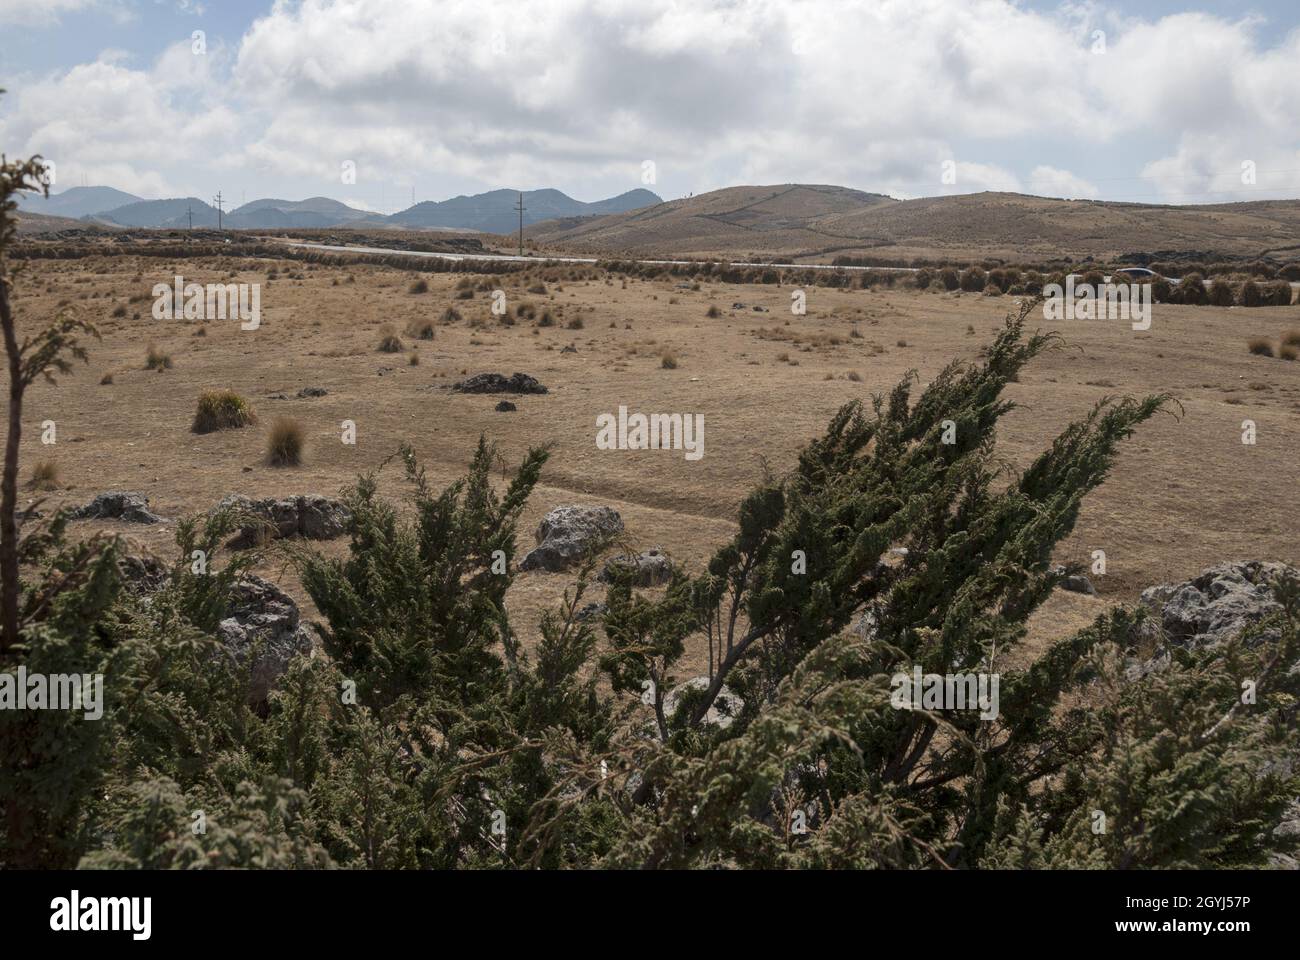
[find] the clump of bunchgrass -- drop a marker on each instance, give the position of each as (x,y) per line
(389,342)
(155,359)
(284,444)
(420,329)
(45,475)
(221,410)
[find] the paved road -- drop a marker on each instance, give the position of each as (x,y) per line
(517,259)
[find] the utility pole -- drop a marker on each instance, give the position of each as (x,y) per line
(189,211)
(520,207)
(218,201)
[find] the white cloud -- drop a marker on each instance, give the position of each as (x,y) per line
(1050,182)
(577,93)
(110,123)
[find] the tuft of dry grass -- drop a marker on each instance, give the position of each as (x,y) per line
(1288,352)
(45,475)
(106,380)
(1291,338)
(415,359)
(221,410)
(420,329)
(668,360)
(155,359)
(713,312)
(389,342)
(420,286)
(1260,347)
(284,444)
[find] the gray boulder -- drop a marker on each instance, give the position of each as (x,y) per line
(592,611)
(142,574)
(567,533)
(310,516)
(1217,604)
(726,707)
(649,569)
(1211,608)
(867,625)
(130,507)
(262,632)
(1074,582)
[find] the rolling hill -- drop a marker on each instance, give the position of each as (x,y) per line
(30,224)
(494,211)
(76,202)
(816,223)
(313,212)
(735,221)
(161,213)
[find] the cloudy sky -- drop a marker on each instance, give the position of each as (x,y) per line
(1156,101)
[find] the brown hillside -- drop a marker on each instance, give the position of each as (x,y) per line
(33,223)
(818,223)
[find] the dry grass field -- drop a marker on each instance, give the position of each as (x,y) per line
(1186,492)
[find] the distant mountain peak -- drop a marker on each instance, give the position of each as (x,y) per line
(76,202)
(495,210)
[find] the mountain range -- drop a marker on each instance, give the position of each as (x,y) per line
(495,212)
(491,212)
(788,222)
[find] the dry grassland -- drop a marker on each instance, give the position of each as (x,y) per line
(1186,492)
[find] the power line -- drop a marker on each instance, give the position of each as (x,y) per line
(520,207)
